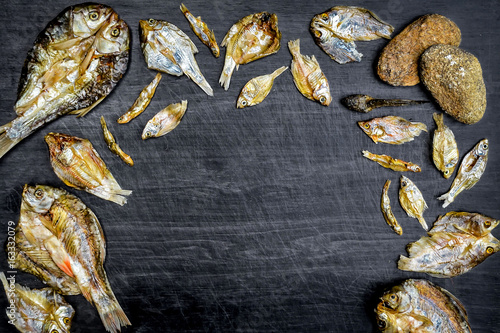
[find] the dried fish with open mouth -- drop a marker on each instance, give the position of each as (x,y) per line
(365,103)
(253,37)
(201,30)
(392,163)
(77,164)
(391,129)
(385,205)
(470,171)
(165,120)
(336,30)
(112,145)
(257,89)
(444,147)
(412,200)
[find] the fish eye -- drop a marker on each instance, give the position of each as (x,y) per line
(446,172)
(485,146)
(151,21)
(322,99)
(66,320)
(487,224)
(381,324)
(94,16)
(115,32)
(243,102)
(317,33)
(393,296)
(148,134)
(54,331)
(39,193)
(490,250)
(366,125)
(324,16)
(403,183)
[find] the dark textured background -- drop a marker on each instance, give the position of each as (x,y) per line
(265,219)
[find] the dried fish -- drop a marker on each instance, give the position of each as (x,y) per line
(470,223)
(365,103)
(385,205)
(412,200)
(257,89)
(391,129)
(391,162)
(201,30)
(444,147)
(165,120)
(112,145)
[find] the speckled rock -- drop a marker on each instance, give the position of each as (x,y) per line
(398,62)
(455,79)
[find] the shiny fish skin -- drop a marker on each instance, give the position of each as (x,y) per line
(257,89)
(365,103)
(444,147)
(308,77)
(391,162)
(385,205)
(253,37)
(470,171)
(142,102)
(391,129)
(112,145)
(166,48)
(412,201)
(201,30)
(336,30)
(471,223)
(77,164)
(165,121)
(70,75)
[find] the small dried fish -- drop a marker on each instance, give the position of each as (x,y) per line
(165,120)
(470,171)
(253,37)
(385,205)
(336,30)
(112,145)
(391,162)
(365,103)
(444,147)
(307,75)
(391,129)
(201,30)
(77,164)
(470,223)
(257,89)
(142,102)
(412,200)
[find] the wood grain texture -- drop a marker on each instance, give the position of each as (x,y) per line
(265,219)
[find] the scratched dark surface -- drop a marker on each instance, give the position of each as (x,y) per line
(265,219)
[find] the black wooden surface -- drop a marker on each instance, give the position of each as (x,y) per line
(265,219)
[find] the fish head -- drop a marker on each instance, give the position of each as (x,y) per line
(372,129)
(405,183)
(114,37)
(322,26)
(63,314)
(396,299)
(58,143)
(87,19)
(151,129)
(482,147)
(489,245)
(244,99)
(387,320)
(322,93)
(38,198)
(146,27)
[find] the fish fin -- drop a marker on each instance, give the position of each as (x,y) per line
(203,84)
(84,111)
(112,316)
(341,51)
(278,72)
(423,223)
(405,263)
(113,195)
(84,65)
(294,47)
(454,300)
(66,44)
(6,143)
(184,9)
(419,246)
(4,282)
(227,72)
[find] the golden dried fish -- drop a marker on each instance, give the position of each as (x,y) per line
(36,310)
(365,103)
(201,30)
(471,223)
(74,64)
(253,37)
(307,75)
(142,102)
(391,129)
(336,30)
(112,145)
(165,120)
(385,205)
(420,306)
(412,200)
(65,230)
(470,171)
(166,48)
(444,147)
(257,89)
(391,162)
(77,164)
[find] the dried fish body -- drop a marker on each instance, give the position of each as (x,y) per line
(391,162)
(391,129)
(470,171)
(165,120)
(201,30)
(444,147)
(253,37)
(257,89)
(166,48)
(77,164)
(308,76)
(336,30)
(37,310)
(470,223)
(412,200)
(112,145)
(142,102)
(385,205)
(365,103)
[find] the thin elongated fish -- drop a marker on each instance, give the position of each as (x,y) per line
(444,147)
(112,145)
(77,164)
(201,30)
(365,103)
(391,129)
(392,163)
(37,310)
(65,230)
(385,205)
(142,102)
(253,37)
(166,48)
(73,65)
(257,89)
(412,200)
(165,120)
(470,171)
(336,30)
(420,306)
(470,223)
(308,76)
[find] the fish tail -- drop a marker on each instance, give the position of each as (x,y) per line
(202,83)
(448,199)
(114,194)
(294,47)
(184,9)
(6,143)
(405,264)
(422,222)
(420,127)
(227,72)
(278,72)
(112,315)
(438,118)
